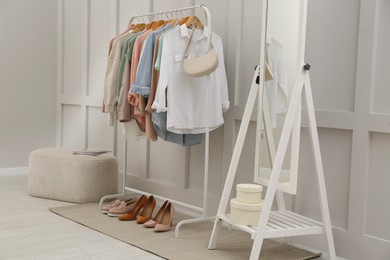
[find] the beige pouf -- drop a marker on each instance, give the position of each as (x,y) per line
(56,173)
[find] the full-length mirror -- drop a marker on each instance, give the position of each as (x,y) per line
(282,59)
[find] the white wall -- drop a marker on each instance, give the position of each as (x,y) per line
(28,36)
(347,45)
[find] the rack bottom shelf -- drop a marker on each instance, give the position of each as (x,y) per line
(281,224)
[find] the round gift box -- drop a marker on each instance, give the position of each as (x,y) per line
(249,193)
(245,213)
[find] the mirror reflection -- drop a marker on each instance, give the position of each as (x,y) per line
(282,59)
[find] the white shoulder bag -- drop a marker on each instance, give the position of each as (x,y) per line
(202,65)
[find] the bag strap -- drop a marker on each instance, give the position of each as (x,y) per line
(189,45)
(187,52)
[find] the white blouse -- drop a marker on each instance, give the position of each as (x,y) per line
(277,89)
(183,97)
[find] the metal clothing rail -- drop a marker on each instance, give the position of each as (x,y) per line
(203,209)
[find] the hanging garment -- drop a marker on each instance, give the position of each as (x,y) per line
(137,49)
(125,109)
(131,131)
(129,27)
(144,72)
(111,77)
(159,52)
(184,98)
(150,129)
(124,59)
(157,126)
(160,121)
(277,88)
(135,99)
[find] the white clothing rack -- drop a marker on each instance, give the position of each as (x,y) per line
(203,209)
(280,223)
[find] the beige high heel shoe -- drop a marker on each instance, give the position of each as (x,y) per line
(165,223)
(151,223)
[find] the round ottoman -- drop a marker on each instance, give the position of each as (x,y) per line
(56,173)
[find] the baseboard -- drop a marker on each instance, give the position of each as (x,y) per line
(13,171)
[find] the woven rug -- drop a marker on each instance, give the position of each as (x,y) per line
(191,244)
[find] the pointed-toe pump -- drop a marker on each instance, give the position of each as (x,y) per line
(151,223)
(165,223)
(147,210)
(132,214)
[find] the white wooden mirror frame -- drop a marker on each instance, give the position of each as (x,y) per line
(282,222)
(289,178)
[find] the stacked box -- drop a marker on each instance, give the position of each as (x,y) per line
(246,207)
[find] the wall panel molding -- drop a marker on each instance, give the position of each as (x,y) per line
(344,98)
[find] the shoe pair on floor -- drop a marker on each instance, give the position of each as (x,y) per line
(162,221)
(119,207)
(141,210)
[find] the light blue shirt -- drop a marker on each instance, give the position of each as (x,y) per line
(143,77)
(160,45)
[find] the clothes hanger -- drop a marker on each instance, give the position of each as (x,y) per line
(139,27)
(194,22)
(167,18)
(173,20)
(183,20)
(149,25)
(158,24)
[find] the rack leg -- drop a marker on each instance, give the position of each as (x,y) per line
(215,233)
(236,154)
(123,193)
(319,169)
(189,221)
(276,169)
(206,170)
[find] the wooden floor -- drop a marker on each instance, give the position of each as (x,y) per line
(28,230)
